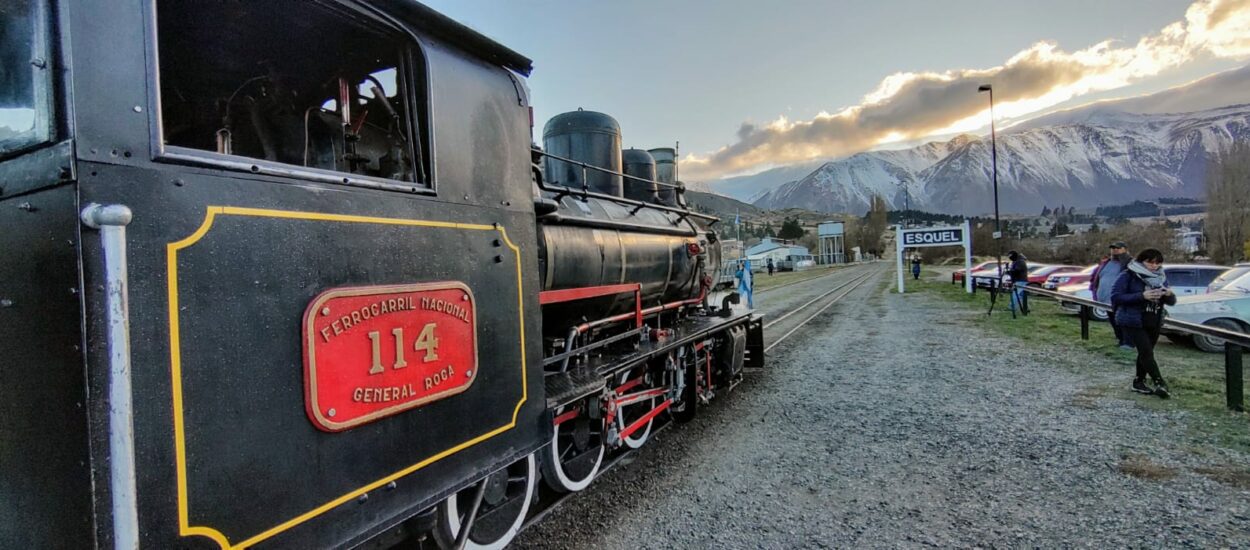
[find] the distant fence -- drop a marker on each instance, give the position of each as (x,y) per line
(1235,343)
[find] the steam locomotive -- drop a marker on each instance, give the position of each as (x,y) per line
(290,273)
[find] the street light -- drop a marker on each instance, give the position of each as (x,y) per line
(906,204)
(998,230)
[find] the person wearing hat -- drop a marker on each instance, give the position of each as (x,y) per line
(1101,281)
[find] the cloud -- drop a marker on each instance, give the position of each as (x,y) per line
(914,105)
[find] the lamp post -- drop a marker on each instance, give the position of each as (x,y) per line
(906,204)
(998,230)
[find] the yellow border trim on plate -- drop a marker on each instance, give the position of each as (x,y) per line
(171,258)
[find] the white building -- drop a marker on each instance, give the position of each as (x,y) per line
(784,254)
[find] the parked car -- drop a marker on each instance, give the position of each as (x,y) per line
(958,275)
(1228,276)
(1226,308)
(1038,276)
(987,277)
(1185,280)
(1079,290)
(1062,278)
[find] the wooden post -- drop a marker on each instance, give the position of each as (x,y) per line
(1085,322)
(1233,383)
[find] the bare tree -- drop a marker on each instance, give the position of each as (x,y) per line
(1228,203)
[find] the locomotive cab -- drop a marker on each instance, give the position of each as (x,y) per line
(279,273)
(272,275)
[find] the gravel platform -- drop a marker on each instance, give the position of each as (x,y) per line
(888,423)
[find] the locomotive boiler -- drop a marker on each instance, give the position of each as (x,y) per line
(316,288)
(603,222)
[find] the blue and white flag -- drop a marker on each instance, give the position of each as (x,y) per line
(737,215)
(746,286)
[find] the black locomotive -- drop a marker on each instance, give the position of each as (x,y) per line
(290,273)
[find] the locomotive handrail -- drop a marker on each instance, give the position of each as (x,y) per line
(1235,343)
(111,220)
(566,190)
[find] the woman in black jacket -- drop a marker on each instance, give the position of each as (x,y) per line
(1139,295)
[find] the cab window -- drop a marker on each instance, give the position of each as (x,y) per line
(296,82)
(25,81)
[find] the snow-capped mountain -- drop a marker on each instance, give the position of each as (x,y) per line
(1102,157)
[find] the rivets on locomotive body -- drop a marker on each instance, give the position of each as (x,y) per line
(390,486)
(498,259)
(362,498)
(330,413)
(138,109)
(464,297)
(325,310)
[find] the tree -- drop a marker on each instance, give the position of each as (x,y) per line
(1228,203)
(791,230)
(1045,211)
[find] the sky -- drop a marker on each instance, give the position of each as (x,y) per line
(749,85)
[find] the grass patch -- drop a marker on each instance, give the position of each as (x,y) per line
(1141,467)
(1228,475)
(1087,398)
(1195,378)
(764,281)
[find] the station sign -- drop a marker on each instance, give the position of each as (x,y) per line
(958,235)
(372,352)
(934,236)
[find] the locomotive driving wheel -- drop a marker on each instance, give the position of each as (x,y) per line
(505,499)
(632,381)
(573,458)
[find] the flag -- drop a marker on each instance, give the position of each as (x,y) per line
(736,217)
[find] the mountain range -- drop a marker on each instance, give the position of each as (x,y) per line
(1110,157)
(1110,152)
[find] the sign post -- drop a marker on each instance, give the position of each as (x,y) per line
(957,235)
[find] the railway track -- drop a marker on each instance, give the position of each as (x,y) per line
(554,500)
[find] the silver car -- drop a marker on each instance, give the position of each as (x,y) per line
(1227,308)
(1184,279)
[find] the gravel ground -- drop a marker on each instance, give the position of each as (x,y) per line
(888,423)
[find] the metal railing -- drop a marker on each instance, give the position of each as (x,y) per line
(1235,343)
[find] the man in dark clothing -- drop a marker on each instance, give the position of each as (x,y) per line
(1018,270)
(770,266)
(915,267)
(1139,295)
(1104,278)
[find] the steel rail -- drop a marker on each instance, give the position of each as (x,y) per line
(662,425)
(856,283)
(810,302)
(833,271)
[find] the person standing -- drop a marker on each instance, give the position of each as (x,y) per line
(1104,278)
(1018,270)
(1139,296)
(770,267)
(915,267)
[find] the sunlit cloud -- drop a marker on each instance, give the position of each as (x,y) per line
(910,105)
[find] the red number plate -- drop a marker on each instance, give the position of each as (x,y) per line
(371,352)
